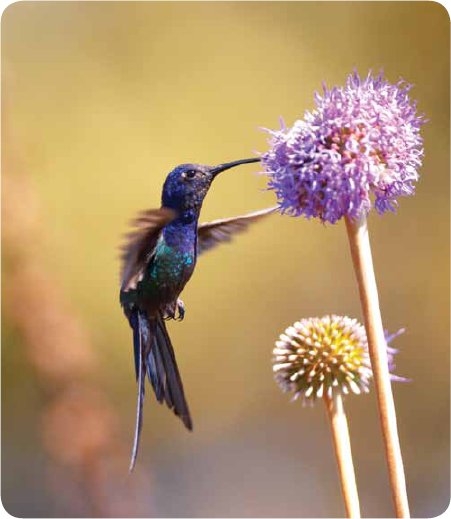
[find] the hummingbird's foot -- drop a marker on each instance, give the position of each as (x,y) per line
(181,309)
(171,310)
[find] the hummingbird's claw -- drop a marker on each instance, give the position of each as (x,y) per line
(181,309)
(171,310)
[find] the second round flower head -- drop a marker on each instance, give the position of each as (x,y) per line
(360,138)
(316,356)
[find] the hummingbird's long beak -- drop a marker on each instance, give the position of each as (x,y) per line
(222,167)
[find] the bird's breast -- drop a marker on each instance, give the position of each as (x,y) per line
(167,274)
(173,265)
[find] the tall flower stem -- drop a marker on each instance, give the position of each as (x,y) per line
(363,266)
(342,444)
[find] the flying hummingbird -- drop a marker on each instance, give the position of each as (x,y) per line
(158,259)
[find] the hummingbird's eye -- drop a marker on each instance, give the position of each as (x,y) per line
(191,173)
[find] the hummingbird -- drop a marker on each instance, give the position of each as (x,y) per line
(158,259)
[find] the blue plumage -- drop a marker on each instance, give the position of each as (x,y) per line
(158,260)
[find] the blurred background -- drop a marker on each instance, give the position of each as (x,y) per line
(100,100)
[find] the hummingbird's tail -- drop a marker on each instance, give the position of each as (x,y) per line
(140,343)
(154,354)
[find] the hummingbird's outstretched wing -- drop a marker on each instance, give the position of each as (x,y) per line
(141,242)
(213,233)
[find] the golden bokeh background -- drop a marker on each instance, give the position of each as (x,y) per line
(100,101)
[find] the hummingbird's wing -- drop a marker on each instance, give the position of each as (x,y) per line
(214,233)
(140,244)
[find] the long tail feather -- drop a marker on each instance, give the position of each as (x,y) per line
(174,393)
(142,338)
(155,371)
(133,320)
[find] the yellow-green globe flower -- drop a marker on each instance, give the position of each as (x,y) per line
(319,355)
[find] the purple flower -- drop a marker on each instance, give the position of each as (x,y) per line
(361,138)
(391,352)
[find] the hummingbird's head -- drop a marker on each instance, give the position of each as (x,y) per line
(186,186)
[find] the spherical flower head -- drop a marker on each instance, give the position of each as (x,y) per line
(360,139)
(319,355)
